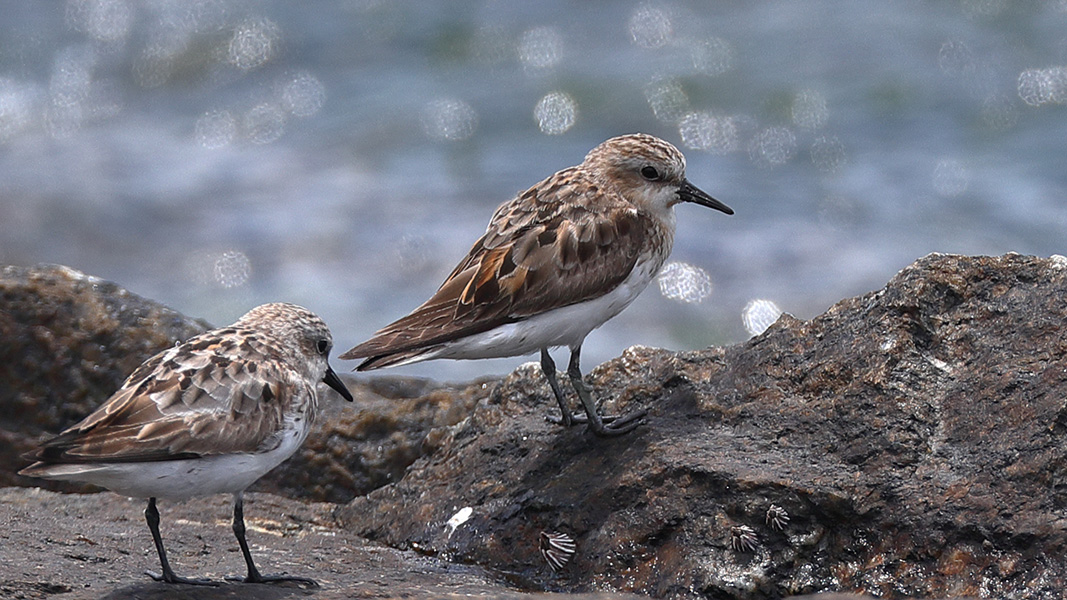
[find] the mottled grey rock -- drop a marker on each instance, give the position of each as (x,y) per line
(82,546)
(913,436)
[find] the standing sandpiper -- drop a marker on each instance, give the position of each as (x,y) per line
(208,416)
(555,263)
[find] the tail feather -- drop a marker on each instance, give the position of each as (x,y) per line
(397,359)
(62,472)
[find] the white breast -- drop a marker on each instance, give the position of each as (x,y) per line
(187,478)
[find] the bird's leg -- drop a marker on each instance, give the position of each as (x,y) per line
(548,367)
(618,425)
(151,515)
(253,573)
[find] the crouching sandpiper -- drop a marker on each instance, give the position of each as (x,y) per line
(211,415)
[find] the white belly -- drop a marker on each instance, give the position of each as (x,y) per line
(565,326)
(186,478)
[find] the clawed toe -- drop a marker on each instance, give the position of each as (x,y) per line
(276,578)
(561,421)
(613,426)
(575,420)
(607,426)
(172,578)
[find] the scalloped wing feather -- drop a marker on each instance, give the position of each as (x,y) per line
(171,407)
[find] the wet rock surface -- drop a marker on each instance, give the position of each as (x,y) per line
(82,546)
(913,437)
(908,442)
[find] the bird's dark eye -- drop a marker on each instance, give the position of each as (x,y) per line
(323,346)
(650,173)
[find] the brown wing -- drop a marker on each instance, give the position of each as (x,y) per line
(193,400)
(559,243)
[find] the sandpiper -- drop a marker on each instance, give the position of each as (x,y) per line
(556,262)
(208,416)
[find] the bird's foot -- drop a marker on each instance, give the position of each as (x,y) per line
(615,426)
(304,582)
(172,578)
(576,420)
(606,426)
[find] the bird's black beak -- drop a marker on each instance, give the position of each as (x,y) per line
(691,193)
(331,379)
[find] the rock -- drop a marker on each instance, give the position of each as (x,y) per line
(911,440)
(80,546)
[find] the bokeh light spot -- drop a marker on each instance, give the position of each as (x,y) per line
(216,129)
(713,56)
(541,48)
(103,20)
(17,106)
(449,119)
(810,110)
(303,95)
(264,123)
(667,99)
(72,74)
(772,147)
(254,42)
(684,282)
(69,87)
(556,113)
(153,67)
(705,131)
(650,26)
(955,58)
(1043,86)
(999,113)
(828,154)
(758,315)
(232,269)
(218,269)
(492,45)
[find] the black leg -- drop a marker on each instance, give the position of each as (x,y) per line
(253,573)
(619,425)
(151,515)
(548,367)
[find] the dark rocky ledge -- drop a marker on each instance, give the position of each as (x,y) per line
(914,437)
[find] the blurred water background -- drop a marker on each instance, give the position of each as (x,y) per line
(217,154)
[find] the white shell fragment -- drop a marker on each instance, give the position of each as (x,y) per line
(557,549)
(458,519)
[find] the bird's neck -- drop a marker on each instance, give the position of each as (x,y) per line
(660,239)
